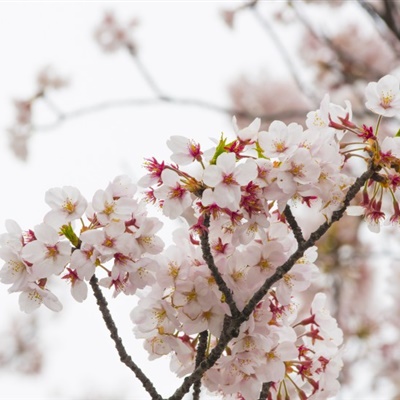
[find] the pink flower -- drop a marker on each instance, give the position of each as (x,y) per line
(249,133)
(34,296)
(79,288)
(47,254)
(383,97)
(15,271)
(281,140)
(67,204)
(226,178)
(176,199)
(327,325)
(185,151)
(110,208)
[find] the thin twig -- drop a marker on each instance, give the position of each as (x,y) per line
(145,102)
(145,72)
(285,56)
(123,355)
(341,55)
(209,259)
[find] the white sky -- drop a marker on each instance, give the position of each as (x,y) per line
(191,53)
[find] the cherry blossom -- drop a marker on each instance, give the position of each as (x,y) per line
(241,252)
(47,255)
(33,296)
(383,97)
(249,133)
(185,151)
(67,204)
(225,178)
(175,198)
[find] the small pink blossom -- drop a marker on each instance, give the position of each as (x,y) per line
(176,199)
(33,296)
(67,204)
(249,133)
(226,178)
(184,150)
(47,254)
(383,97)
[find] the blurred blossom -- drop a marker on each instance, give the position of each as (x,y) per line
(112,35)
(48,78)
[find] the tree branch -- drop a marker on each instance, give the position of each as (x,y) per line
(209,259)
(229,331)
(200,356)
(317,234)
(285,56)
(123,355)
(232,326)
(298,234)
(264,391)
(62,117)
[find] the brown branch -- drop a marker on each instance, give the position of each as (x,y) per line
(298,234)
(209,259)
(317,234)
(264,390)
(229,331)
(123,355)
(232,326)
(200,356)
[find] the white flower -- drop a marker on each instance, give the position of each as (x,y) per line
(109,208)
(122,186)
(383,97)
(226,178)
(33,296)
(281,140)
(46,254)
(327,325)
(14,271)
(391,145)
(67,204)
(185,151)
(176,199)
(249,132)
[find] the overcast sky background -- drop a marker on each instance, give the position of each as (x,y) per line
(191,53)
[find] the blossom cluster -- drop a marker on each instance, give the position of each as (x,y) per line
(232,201)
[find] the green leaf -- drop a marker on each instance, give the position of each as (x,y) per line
(397,134)
(69,233)
(219,150)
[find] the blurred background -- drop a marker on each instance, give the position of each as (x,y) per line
(90,89)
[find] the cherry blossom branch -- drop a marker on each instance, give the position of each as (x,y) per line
(228,332)
(209,259)
(232,325)
(298,234)
(200,356)
(124,357)
(264,390)
(317,234)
